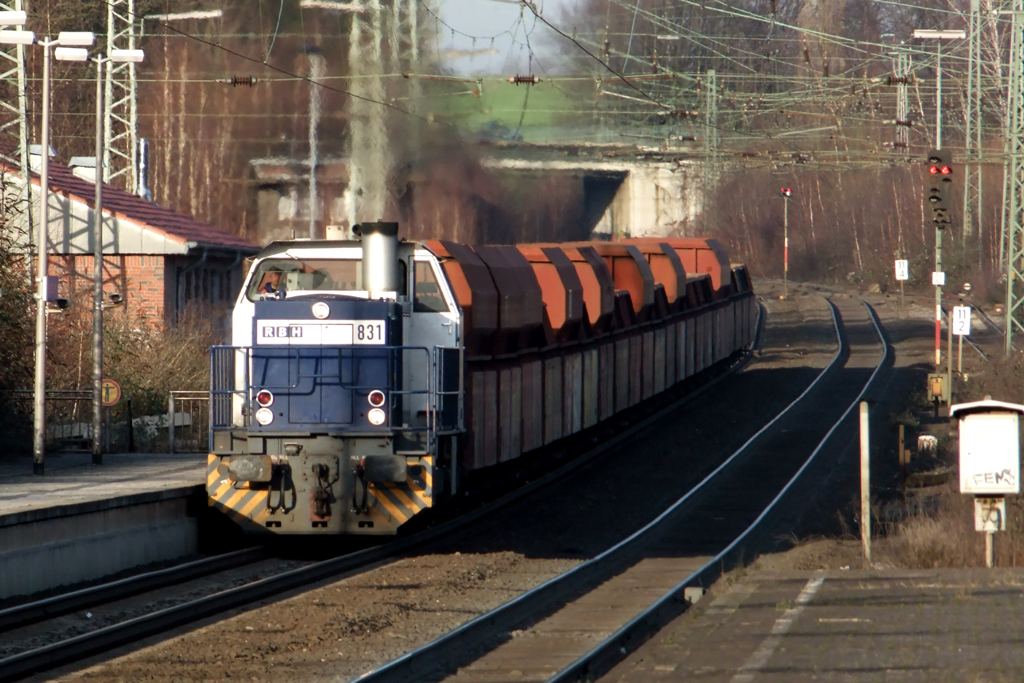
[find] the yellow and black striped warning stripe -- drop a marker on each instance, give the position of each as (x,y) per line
(243,505)
(401,501)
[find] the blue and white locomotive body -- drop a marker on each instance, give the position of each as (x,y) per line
(335,408)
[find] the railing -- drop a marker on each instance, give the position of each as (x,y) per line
(188,412)
(68,416)
(232,395)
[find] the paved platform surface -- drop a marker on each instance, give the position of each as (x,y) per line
(72,479)
(931,626)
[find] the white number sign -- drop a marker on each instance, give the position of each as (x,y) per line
(962,320)
(902,269)
(939,279)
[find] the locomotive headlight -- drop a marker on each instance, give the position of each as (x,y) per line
(376,398)
(265,398)
(264,416)
(376,416)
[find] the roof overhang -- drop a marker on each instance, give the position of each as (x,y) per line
(986,406)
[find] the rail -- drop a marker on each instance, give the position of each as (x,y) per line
(104,639)
(457,648)
(629,637)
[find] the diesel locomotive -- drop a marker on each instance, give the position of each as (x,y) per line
(368,381)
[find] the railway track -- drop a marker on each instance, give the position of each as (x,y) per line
(624,595)
(79,647)
(33,612)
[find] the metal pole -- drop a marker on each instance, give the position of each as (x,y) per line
(785,247)
(949,353)
(865,483)
(990,549)
(960,357)
(938,231)
(39,418)
(938,98)
(97,280)
(316,70)
(938,300)
(170,424)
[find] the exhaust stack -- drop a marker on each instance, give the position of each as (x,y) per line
(380,257)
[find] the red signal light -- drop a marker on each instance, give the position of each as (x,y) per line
(945,170)
(934,170)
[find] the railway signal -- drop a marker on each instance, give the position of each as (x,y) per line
(938,190)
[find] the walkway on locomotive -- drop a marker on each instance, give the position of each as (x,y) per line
(311,269)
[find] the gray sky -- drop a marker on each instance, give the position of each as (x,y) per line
(495,37)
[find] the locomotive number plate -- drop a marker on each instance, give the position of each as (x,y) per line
(328,333)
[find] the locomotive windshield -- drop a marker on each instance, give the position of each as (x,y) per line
(276,275)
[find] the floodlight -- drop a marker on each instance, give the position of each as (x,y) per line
(71,54)
(133,56)
(13,18)
(17,37)
(76,38)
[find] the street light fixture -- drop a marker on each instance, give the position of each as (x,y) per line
(116,56)
(13,18)
(64,39)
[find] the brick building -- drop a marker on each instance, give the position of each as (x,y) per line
(159,260)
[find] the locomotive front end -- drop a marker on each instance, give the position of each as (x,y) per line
(332,406)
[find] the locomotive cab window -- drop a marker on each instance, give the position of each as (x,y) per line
(276,275)
(427,296)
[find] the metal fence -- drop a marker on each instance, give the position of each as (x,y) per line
(188,422)
(68,417)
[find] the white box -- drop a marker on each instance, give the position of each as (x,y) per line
(989,453)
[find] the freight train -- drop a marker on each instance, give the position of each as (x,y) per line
(369,381)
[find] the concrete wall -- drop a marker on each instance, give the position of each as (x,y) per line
(633,198)
(52,547)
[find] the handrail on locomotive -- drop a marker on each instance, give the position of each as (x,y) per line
(444,392)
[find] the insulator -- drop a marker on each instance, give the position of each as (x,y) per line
(908,124)
(528,80)
(901,80)
(244,80)
(899,145)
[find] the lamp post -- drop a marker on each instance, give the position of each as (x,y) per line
(939,36)
(786,194)
(116,56)
(68,45)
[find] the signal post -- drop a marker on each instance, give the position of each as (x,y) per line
(938,195)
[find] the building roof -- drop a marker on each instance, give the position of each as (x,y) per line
(170,224)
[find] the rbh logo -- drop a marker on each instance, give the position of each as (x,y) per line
(282,331)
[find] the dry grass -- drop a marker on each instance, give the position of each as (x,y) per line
(944,536)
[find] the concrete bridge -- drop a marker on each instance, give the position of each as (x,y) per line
(627,191)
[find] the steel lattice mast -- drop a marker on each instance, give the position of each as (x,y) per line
(121,122)
(972,138)
(14,110)
(1014,173)
(902,81)
(711,140)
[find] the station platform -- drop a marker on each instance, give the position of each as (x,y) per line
(81,522)
(72,479)
(834,625)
